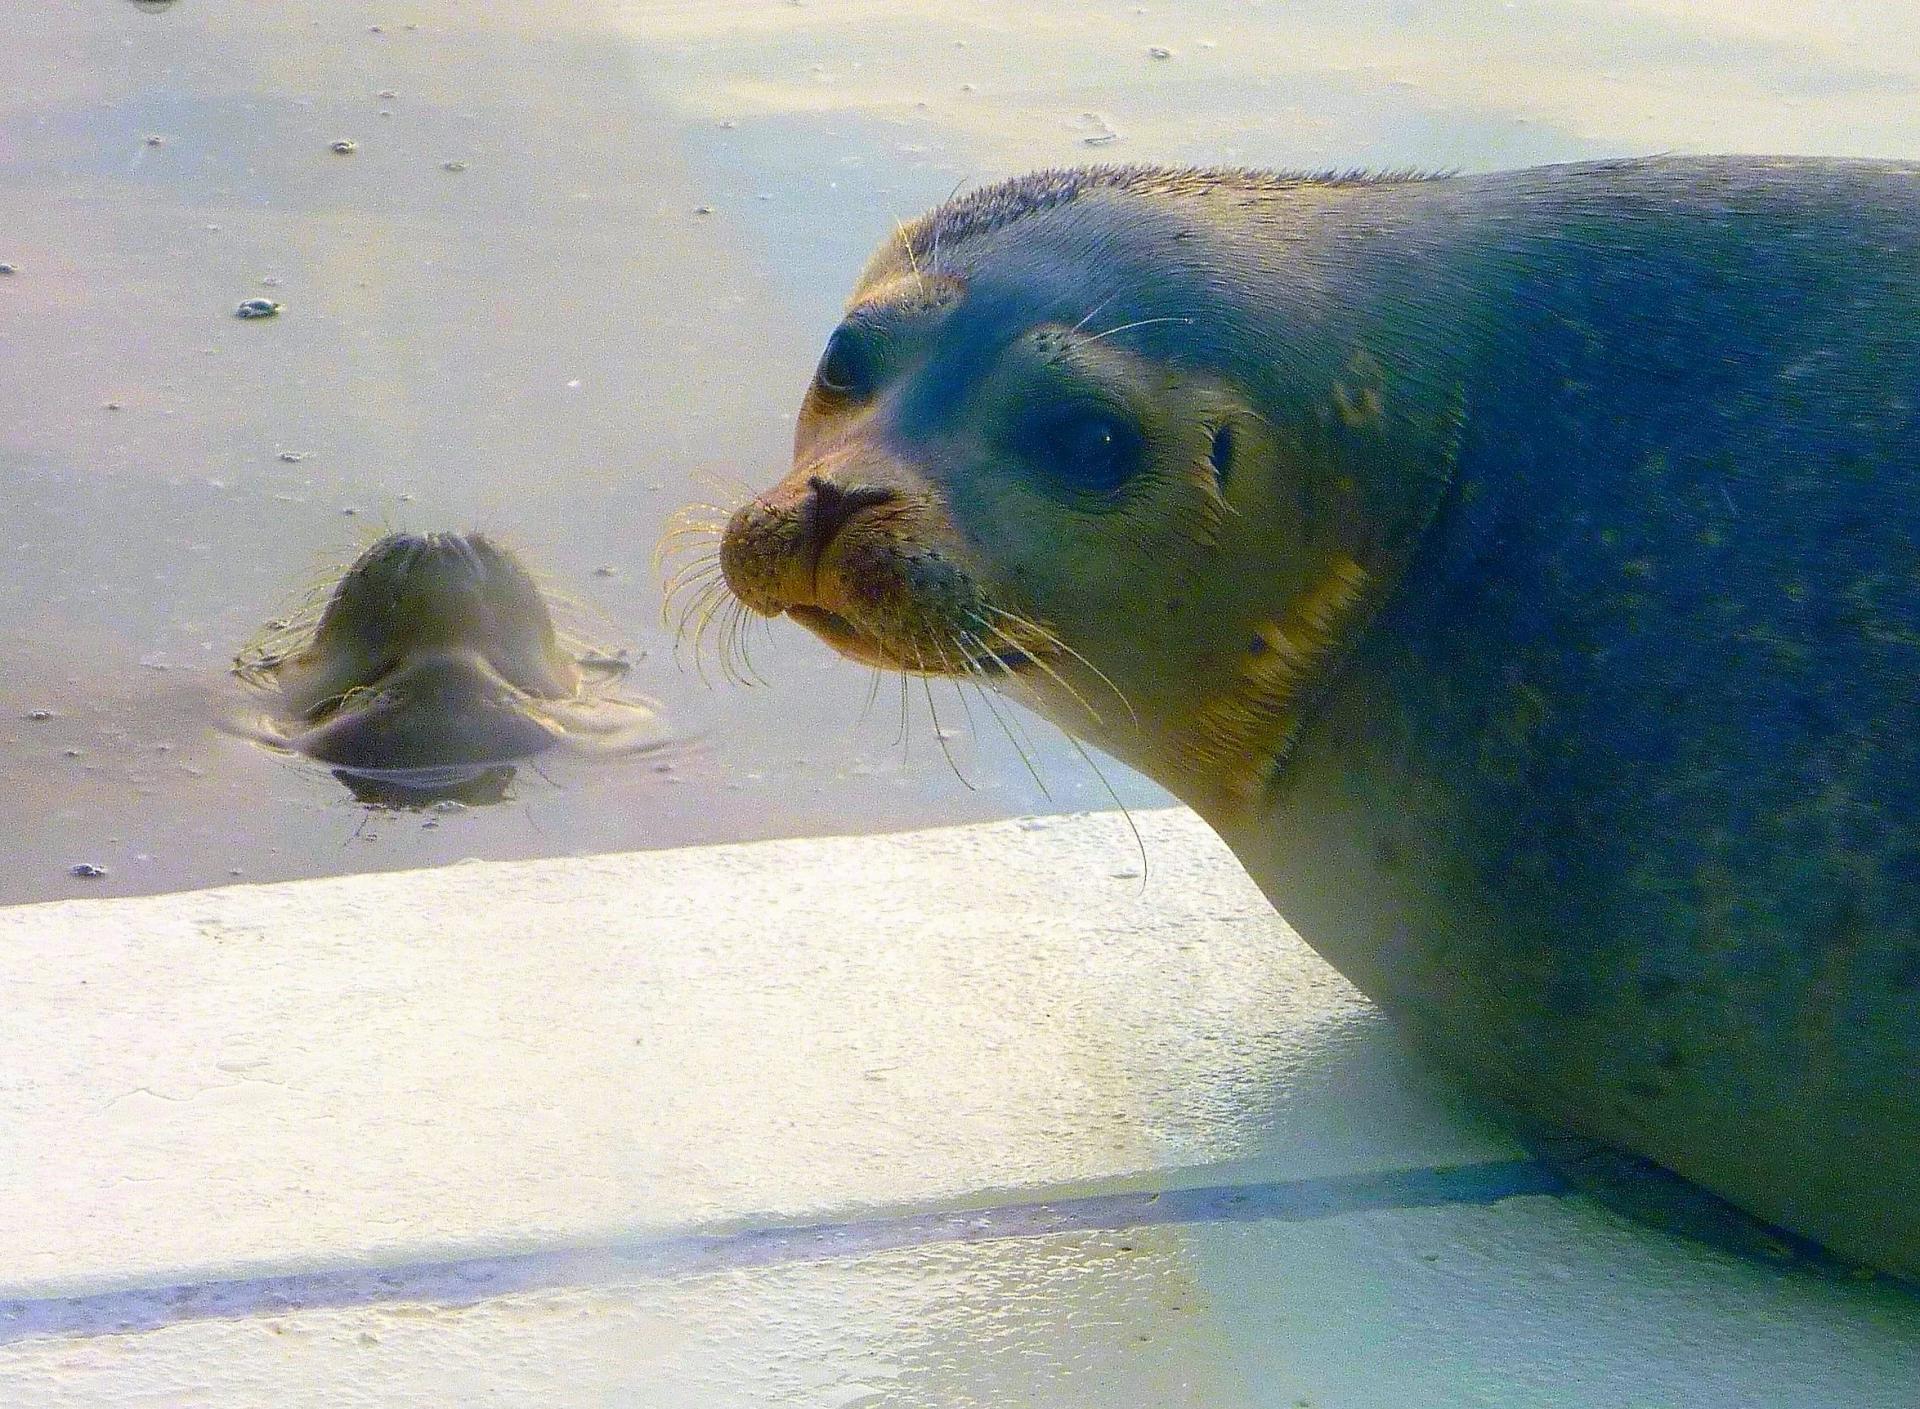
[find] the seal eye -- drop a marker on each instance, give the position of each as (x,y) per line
(1095,451)
(846,367)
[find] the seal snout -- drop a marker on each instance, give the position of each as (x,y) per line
(857,549)
(775,546)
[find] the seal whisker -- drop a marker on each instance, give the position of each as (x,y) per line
(1019,623)
(873,692)
(973,646)
(973,731)
(708,604)
(1039,663)
(722,617)
(1137,323)
(698,599)
(903,234)
(726,489)
(703,570)
(684,541)
(700,570)
(1094,768)
(743,641)
(1091,314)
(733,653)
(900,738)
(684,517)
(701,601)
(1139,842)
(1016,735)
(686,534)
(940,735)
(730,643)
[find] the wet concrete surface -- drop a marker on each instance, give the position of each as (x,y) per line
(572,276)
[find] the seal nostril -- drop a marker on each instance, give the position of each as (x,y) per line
(829,507)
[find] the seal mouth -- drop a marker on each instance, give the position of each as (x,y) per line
(844,637)
(848,639)
(833,627)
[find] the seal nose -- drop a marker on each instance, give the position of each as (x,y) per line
(829,507)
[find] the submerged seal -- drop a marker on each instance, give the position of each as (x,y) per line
(1521,573)
(433,664)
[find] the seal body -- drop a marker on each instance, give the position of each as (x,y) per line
(1616,802)
(1521,572)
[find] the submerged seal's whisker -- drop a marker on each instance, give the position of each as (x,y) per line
(727,489)
(732,652)
(743,638)
(708,604)
(696,578)
(705,570)
(702,602)
(722,650)
(699,600)
(699,542)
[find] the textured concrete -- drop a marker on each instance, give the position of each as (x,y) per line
(973,1116)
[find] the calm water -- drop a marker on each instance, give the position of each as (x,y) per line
(556,342)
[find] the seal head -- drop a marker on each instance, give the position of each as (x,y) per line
(435,659)
(1056,442)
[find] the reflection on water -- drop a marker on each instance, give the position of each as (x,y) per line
(411,789)
(575,275)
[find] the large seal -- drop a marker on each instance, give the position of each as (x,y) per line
(433,665)
(1521,573)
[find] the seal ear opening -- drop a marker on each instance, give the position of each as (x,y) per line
(1221,453)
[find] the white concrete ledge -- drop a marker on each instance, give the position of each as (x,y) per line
(785,1093)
